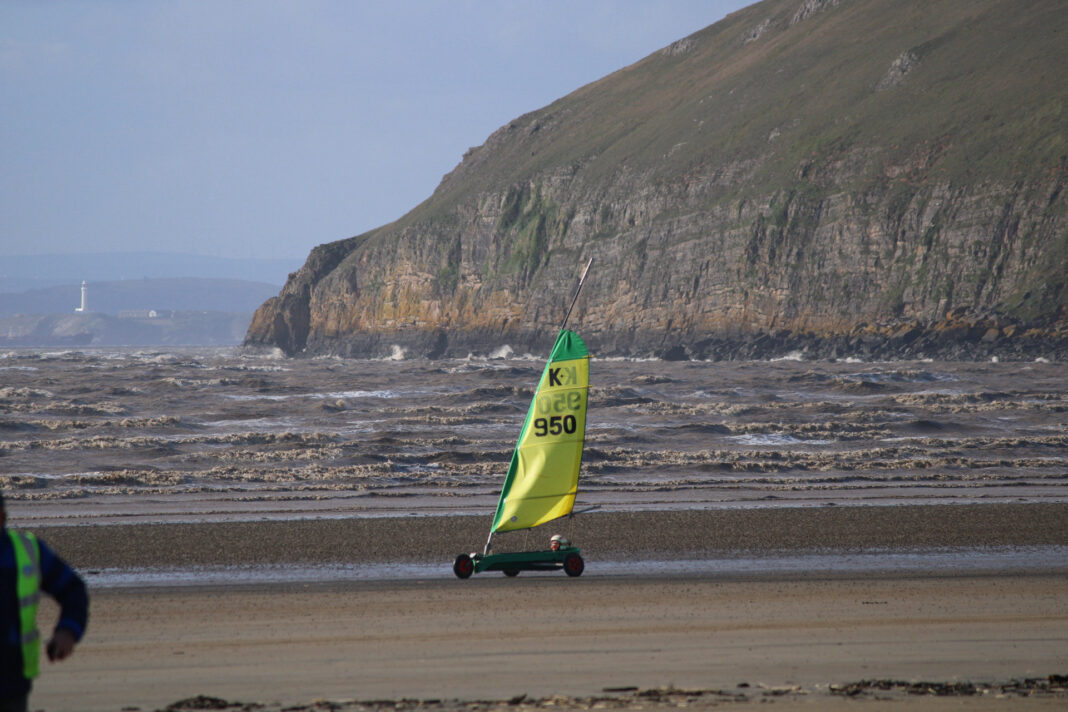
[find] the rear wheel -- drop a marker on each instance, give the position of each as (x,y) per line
(463,567)
(574,565)
(510,573)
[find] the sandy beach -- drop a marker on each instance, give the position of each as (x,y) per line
(601,640)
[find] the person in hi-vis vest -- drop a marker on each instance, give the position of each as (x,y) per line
(27,567)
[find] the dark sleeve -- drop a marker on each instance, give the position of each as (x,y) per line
(61,582)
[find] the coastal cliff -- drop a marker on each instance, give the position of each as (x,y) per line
(834,177)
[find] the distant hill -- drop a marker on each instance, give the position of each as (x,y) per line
(19,273)
(185,328)
(845,177)
(176,294)
(136,312)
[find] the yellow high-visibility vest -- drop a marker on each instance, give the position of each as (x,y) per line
(28,590)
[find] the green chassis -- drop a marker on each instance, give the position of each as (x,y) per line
(567,558)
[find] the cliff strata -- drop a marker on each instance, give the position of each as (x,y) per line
(831,178)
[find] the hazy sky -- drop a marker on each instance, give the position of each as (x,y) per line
(263,128)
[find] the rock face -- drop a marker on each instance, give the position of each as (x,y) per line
(847,177)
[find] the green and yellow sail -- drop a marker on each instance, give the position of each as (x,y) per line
(543,475)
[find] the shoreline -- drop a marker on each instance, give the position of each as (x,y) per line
(958,336)
(659,535)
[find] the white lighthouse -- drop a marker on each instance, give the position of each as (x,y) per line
(85,299)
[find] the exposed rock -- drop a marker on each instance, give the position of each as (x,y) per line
(680,47)
(898,69)
(757,32)
(809,7)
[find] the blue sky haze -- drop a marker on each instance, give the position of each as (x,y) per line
(261,129)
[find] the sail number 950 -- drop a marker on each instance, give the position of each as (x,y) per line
(557,424)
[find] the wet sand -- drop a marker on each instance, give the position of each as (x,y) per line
(786,638)
(601,535)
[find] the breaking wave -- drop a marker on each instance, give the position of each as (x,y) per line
(109,435)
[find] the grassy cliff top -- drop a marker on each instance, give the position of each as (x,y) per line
(955,91)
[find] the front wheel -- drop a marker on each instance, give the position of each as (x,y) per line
(463,567)
(574,565)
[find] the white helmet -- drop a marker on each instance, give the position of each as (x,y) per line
(561,540)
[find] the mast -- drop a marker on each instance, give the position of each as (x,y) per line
(563,324)
(574,299)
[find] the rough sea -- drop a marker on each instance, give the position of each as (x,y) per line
(122,436)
